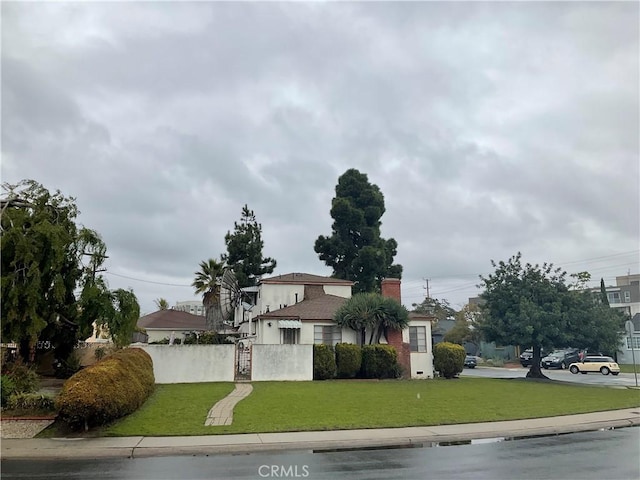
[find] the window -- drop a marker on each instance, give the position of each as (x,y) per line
(327,334)
(627,296)
(289,336)
(636,342)
(613,297)
(418,339)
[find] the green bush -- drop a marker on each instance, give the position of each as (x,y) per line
(380,361)
(99,353)
(8,388)
(324,362)
(105,391)
(30,401)
(448,359)
(24,378)
(348,360)
(208,338)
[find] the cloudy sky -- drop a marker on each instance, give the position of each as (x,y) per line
(491,128)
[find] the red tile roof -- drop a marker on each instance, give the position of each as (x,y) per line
(319,308)
(173,319)
(305,279)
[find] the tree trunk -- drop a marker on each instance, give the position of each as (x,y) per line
(535,371)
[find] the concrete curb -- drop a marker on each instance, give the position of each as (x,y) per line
(130,447)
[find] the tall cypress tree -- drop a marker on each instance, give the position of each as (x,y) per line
(355,250)
(603,293)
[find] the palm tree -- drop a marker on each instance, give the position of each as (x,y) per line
(394,317)
(161,303)
(372,311)
(207,282)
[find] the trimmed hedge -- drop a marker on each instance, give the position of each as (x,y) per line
(348,360)
(105,391)
(380,361)
(448,359)
(324,362)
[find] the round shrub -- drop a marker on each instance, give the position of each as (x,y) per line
(348,360)
(448,359)
(380,361)
(105,391)
(324,362)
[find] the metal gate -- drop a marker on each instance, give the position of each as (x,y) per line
(243,361)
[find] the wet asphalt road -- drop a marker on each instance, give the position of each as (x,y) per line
(621,380)
(608,454)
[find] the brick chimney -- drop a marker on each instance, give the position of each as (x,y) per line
(391,289)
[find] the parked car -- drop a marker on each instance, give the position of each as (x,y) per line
(470,361)
(526,357)
(561,358)
(600,363)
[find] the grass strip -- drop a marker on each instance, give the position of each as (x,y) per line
(305,406)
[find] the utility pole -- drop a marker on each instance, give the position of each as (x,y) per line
(427,287)
(94,267)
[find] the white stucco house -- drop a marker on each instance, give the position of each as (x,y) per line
(298,308)
(165,323)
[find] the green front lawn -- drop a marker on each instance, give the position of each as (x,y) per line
(628,368)
(301,406)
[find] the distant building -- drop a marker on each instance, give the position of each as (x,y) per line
(194,307)
(625,296)
(164,324)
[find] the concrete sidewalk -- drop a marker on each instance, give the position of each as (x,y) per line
(126,447)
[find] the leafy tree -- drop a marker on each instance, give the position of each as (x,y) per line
(525,305)
(596,326)
(374,312)
(207,283)
(532,305)
(42,248)
(465,330)
(441,309)
(355,249)
(244,250)
(122,317)
(161,303)
(459,333)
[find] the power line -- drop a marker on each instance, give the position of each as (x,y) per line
(149,281)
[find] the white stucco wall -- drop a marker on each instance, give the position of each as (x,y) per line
(338,290)
(156,335)
(421,361)
(270,335)
(281,362)
(192,363)
(276,297)
(421,365)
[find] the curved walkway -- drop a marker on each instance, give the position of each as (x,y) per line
(222,412)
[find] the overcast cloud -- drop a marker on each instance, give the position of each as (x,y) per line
(491,128)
